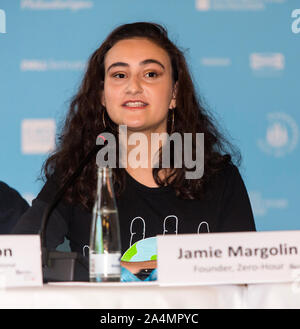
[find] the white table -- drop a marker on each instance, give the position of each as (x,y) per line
(122,295)
(150,295)
(270,295)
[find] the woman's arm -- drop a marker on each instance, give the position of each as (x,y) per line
(30,222)
(235,208)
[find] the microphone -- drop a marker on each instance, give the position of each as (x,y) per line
(58,265)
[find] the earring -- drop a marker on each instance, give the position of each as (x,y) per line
(103,120)
(172,125)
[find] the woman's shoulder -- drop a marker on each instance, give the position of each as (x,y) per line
(227,171)
(52,186)
(225,179)
(49,189)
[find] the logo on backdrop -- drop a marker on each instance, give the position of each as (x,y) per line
(2,21)
(281,137)
(261,205)
(38,136)
(296,22)
(205,5)
(267,64)
(51,65)
(56,4)
(215,61)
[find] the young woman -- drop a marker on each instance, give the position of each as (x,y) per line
(140,79)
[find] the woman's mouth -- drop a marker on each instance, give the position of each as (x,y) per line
(134,105)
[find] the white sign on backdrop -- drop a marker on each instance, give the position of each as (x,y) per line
(228,258)
(20,261)
(38,136)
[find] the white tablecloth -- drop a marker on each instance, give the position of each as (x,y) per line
(279,295)
(150,295)
(124,295)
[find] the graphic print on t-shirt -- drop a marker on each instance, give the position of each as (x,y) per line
(137,230)
(170,225)
(144,249)
(203,227)
(141,251)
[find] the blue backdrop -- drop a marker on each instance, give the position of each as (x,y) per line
(244,56)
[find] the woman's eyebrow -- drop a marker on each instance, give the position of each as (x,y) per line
(144,62)
(150,60)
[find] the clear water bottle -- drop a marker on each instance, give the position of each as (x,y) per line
(105,242)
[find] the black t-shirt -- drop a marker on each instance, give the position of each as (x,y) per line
(145,212)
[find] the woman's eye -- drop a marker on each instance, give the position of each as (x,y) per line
(151,74)
(119,75)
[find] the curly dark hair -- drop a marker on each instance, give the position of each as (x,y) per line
(84,122)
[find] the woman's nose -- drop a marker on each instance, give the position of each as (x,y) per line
(134,85)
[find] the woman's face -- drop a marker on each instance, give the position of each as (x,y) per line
(138,86)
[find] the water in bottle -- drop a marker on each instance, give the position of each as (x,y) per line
(105,243)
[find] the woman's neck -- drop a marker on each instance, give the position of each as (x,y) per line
(140,158)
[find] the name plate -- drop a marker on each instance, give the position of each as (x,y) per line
(228,258)
(20,261)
